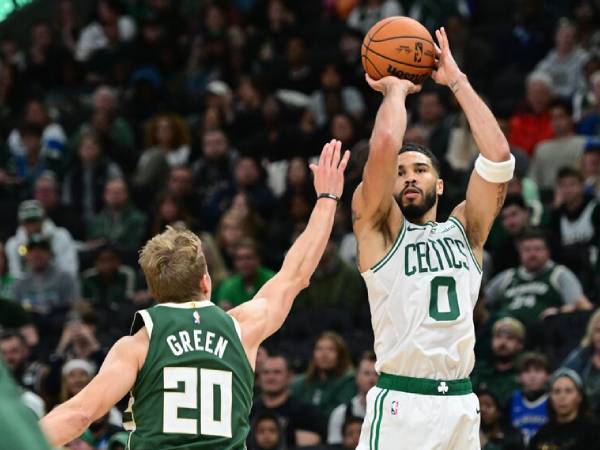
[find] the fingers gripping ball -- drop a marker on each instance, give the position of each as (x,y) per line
(398,46)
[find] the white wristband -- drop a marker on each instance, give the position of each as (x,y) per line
(495,172)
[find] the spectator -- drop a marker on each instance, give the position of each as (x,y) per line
(514,219)
(167,145)
(588,125)
(215,168)
(528,406)
(6,279)
(44,288)
(536,288)
(499,375)
(248,177)
(170,211)
(119,221)
(368,12)
(112,131)
(47,192)
(229,233)
(109,283)
(299,74)
(266,433)
(111,23)
(27,373)
(85,181)
(331,85)
(32,222)
(250,276)
(531,124)
(570,425)
(590,168)
(334,284)
(350,433)
(434,122)
(585,360)
(300,422)
(495,433)
(27,167)
(575,225)
(69,24)
(180,184)
(366,378)
(53,140)
(328,381)
(44,57)
(565,62)
(76,374)
(563,150)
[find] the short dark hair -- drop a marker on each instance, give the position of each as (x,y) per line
(412,147)
(569,172)
(514,200)
(533,359)
(281,355)
(533,233)
(563,104)
(368,355)
(13,334)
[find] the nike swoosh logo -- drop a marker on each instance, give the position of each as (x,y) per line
(477,410)
(413,229)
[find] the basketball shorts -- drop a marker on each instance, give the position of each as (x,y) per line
(406,413)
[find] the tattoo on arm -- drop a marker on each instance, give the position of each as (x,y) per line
(500,196)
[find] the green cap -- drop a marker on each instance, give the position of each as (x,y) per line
(31,210)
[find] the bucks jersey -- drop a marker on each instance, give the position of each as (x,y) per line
(525,295)
(421,296)
(194,391)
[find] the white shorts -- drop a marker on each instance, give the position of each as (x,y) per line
(398,420)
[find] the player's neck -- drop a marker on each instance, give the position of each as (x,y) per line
(429,216)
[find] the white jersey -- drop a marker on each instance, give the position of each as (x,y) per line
(422,295)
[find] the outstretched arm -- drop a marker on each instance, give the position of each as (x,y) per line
(114,380)
(374,196)
(484,198)
(263,315)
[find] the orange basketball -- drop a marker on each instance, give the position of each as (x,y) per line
(398,46)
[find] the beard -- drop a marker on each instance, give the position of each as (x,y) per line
(414,211)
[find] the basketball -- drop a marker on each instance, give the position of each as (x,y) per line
(398,46)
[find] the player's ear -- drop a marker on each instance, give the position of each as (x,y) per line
(205,284)
(439,186)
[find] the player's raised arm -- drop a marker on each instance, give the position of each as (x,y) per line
(114,380)
(494,166)
(374,196)
(262,316)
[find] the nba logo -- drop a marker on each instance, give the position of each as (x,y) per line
(196,316)
(394,407)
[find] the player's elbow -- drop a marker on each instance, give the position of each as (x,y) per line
(502,151)
(383,142)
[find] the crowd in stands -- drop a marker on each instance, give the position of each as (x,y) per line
(205,114)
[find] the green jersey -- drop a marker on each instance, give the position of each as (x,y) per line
(526,295)
(18,425)
(194,391)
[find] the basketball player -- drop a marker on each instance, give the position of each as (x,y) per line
(188,364)
(422,276)
(18,427)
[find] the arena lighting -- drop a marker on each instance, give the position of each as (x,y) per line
(7,7)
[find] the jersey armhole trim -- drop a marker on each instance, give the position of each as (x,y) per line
(392,250)
(145,315)
(464,233)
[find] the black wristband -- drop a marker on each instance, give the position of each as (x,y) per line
(328,195)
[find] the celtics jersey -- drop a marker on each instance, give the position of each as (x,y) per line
(194,391)
(422,295)
(526,296)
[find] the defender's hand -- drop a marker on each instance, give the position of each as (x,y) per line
(329,173)
(447,72)
(386,84)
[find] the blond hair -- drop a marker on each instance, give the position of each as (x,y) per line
(173,264)
(587,339)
